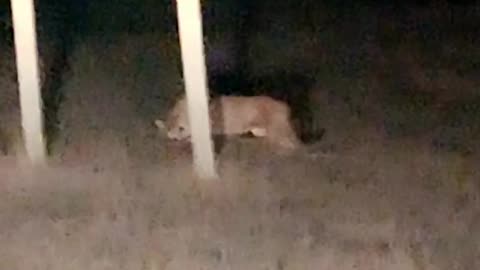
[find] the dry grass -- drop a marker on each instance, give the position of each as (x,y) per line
(377,205)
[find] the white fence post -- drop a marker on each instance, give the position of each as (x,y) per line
(194,73)
(23,18)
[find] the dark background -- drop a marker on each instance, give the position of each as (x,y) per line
(408,66)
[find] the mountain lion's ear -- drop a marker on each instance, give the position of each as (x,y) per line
(160,124)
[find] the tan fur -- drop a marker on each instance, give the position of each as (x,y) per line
(262,116)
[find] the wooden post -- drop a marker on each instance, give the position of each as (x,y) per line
(23,18)
(194,73)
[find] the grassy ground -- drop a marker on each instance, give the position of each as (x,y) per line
(396,184)
(375,205)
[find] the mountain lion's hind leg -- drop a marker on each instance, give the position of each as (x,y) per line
(259,132)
